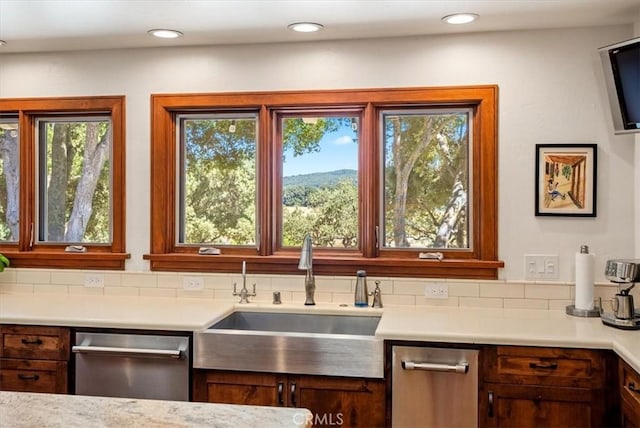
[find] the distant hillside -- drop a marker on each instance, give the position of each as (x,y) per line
(317,179)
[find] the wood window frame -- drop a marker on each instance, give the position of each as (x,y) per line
(481,262)
(25,253)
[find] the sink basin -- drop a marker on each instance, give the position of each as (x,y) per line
(298,343)
(299,323)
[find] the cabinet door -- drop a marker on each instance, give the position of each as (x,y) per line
(343,402)
(629,396)
(258,389)
(33,376)
(518,406)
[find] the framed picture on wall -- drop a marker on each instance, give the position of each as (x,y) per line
(566,180)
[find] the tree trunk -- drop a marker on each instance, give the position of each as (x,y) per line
(10,165)
(403,166)
(96,153)
(451,215)
(57,186)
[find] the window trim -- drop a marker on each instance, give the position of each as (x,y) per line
(24,253)
(481,263)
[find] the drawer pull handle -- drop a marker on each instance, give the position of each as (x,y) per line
(461,368)
(28,377)
(544,366)
(31,342)
(490,413)
(632,387)
(280,396)
(293,395)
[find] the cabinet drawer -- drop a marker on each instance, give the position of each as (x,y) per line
(630,386)
(40,343)
(546,366)
(33,376)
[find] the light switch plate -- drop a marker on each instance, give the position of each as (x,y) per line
(541,267)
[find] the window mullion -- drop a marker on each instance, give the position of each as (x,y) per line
(266,182)
(369,178)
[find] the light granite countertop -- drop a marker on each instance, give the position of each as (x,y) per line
(526,327)
(29,410)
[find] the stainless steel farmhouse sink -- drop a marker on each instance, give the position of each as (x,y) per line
(299,343)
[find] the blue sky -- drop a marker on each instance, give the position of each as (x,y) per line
(337,151)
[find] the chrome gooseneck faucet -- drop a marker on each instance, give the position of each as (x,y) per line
(306,263)
(244,293)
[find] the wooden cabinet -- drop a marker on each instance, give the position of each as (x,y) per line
(349,402)
(34,359)
(629,396)
(533,387)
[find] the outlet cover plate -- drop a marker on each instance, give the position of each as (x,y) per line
(193,283)
(436,291)
(94,280)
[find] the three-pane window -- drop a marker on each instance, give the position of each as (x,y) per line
(379,178)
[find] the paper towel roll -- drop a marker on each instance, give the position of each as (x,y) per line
(584,281)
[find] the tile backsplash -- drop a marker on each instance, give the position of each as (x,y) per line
(395,291)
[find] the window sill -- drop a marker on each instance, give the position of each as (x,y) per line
(61,260)
(347,266)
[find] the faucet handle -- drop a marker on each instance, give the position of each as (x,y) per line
(377,296)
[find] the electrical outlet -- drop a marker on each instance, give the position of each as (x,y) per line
(541,266)
(436,291)
(193,283)
(94,280)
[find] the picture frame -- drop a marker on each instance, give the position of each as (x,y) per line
(566,180)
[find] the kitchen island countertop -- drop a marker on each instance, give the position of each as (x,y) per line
(30,410)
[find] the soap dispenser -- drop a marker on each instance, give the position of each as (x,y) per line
(361,295)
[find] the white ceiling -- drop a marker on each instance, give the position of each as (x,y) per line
(52,25)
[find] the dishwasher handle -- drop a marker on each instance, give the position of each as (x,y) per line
(461,368)
(128,352)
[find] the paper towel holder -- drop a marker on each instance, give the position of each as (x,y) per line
(597,303)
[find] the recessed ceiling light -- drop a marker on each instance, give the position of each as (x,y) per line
(460,18)
(305,27)
(165,33)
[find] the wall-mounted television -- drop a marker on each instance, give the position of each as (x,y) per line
(621,65)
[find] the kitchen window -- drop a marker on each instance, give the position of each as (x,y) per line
(399,182)
(62,185)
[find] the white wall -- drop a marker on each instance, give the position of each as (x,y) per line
(551,91)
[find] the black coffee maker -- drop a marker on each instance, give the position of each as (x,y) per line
(624,273)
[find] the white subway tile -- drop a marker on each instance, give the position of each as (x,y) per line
(68,278)
(122,291)
(81,289)
(398,300)
(540,291)
(333,285)
(157,292)
(33,277)
(196,294)
(8,276)
(481,302)
(413,288)
(463,289)
(450,301)
(51,288)
(16,288)
(146,280)
(508,290)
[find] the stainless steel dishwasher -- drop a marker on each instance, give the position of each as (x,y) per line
(434,387)
(132,366)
